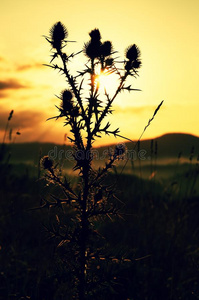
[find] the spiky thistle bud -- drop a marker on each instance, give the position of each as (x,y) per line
(133,56)
(106,48)
(132,52)
(136,64)
(119,150)
(58,33)
(67,103)
(92,49)
(128,65)
(95,35)
(109,62)
(46,163)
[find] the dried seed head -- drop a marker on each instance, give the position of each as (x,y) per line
(132,52)
(46,163)
(10,115)
(58,33)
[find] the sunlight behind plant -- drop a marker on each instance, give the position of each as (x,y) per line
(106,81)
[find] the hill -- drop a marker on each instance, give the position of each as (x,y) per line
(168,147)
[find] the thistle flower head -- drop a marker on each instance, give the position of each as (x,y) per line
(128,65)
(46,163)
(136,64)
(109,62)
(132,52)
(58,33)
(67,103)
(92,49)
(133,56)
(95,35)
(106,48)
(66,95)
(119,150)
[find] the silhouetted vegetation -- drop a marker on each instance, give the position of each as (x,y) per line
(79,207)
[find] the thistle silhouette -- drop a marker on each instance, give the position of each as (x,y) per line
(92,198)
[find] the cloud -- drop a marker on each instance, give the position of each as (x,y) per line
(28,67)
(11,84)
(32,125)
(21,119)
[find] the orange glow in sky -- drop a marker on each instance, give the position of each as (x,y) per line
(167,33)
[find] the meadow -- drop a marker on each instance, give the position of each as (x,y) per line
(154,243)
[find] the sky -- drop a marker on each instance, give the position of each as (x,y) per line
(167,33)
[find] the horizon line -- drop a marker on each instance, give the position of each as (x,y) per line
(103,145)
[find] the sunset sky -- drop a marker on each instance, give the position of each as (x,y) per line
(167,33)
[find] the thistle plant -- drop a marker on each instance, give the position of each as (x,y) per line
(84,110)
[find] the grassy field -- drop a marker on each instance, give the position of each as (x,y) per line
(156,237)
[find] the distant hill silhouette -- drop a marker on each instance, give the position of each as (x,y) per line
(168,146)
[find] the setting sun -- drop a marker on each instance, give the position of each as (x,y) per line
(107,81)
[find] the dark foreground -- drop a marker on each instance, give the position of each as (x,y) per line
(155,243)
